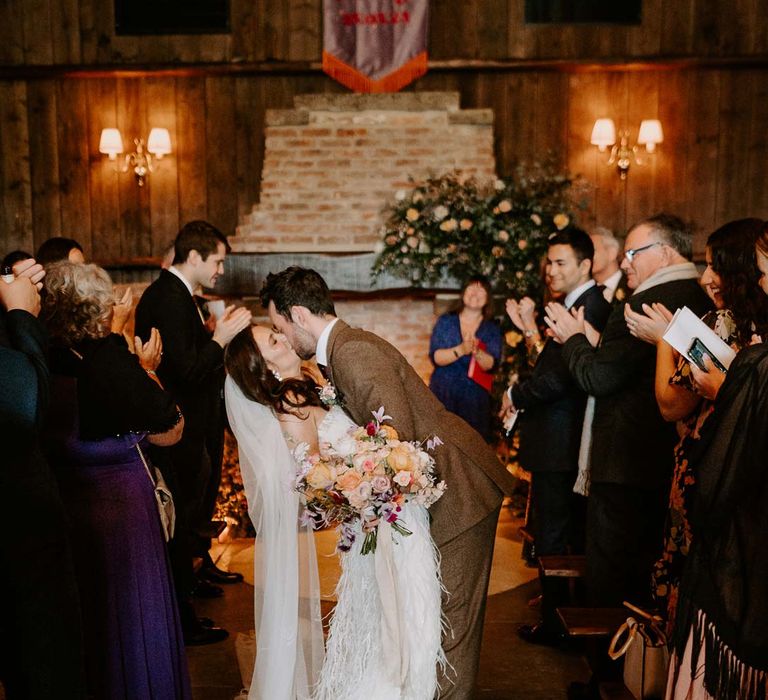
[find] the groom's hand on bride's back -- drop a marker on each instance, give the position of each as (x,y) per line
(232,321)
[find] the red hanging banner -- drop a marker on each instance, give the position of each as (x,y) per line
(375,45)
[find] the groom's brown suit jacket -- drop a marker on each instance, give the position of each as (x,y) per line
(367,373)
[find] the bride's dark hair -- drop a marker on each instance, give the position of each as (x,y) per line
(246,365)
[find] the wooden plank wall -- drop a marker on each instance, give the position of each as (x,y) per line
(73,32)
(53,181)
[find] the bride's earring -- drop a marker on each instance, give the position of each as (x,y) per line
(276,374)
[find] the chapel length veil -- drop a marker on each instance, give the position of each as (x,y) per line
(289,637)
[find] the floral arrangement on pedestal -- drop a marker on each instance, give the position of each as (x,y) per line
(451,227)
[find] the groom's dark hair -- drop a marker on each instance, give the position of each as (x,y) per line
(297,286)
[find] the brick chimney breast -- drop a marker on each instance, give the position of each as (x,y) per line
(334,161)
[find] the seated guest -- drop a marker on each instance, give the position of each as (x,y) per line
(58,249)
(731,281)
(40,628)
(107,407)
(457,338)
(632,445)
(721,636)
(552,412)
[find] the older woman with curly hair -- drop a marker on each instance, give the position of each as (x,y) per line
(107,406)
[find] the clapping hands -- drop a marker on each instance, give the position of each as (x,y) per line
(650,325)
(232,321)
(522,313)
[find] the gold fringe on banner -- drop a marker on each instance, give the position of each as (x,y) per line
(356,81)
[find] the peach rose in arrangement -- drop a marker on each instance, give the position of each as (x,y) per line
(389,432)
(412,214)
(449,225)
(349,481)
(401,458)
(465,224)
(320,477)
(505,206)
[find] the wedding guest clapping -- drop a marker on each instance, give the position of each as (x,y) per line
(685,393)
(629,472)
(552,411)
(721,636)
(457,339)
(107,407)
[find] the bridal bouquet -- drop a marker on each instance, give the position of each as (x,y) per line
(368,477)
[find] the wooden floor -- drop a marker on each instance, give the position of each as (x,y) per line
(510,669)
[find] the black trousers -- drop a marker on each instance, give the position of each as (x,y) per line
(554,514)
(625,527)
(552,502)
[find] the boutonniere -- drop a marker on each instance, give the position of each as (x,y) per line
(328,395)
(619,296)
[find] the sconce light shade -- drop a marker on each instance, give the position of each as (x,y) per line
(159,142)
(603,134)
(111,143)
(650,134)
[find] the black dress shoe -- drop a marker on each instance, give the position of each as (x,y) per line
(205,622)
(204,589)
(205,635)
(213,574)
(539,634)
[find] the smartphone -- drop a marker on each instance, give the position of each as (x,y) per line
(697,352)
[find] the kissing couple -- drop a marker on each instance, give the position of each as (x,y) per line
(416,641)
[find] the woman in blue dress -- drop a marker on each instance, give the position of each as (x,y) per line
(458,338)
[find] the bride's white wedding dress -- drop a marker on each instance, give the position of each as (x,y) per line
(384,641)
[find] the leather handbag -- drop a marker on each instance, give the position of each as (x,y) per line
(643,644)
(163,498)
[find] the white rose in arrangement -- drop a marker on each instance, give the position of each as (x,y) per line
(503,236)
(440,212)
(399,195)
(536,219)
(424,247)
(499,185)
(412,241)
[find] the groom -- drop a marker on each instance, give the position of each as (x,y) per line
(367,373)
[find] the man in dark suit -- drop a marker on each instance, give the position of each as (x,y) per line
(192,370)
(464,519)
(631,455)
(551,409)
(41,652)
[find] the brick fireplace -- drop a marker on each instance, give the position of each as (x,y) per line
(330,165)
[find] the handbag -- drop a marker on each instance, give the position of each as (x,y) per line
(643,644)
(163,498)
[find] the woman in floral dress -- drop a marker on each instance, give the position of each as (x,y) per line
(731,280)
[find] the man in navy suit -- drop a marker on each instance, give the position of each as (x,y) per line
(551,407)
(192,369)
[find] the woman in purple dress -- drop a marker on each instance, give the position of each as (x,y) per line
(458,338)
(106,407)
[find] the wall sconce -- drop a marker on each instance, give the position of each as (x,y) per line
(158,144)
(622,154)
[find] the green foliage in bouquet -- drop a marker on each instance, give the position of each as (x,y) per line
(451,227)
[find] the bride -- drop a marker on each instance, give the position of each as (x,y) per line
(384,641)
